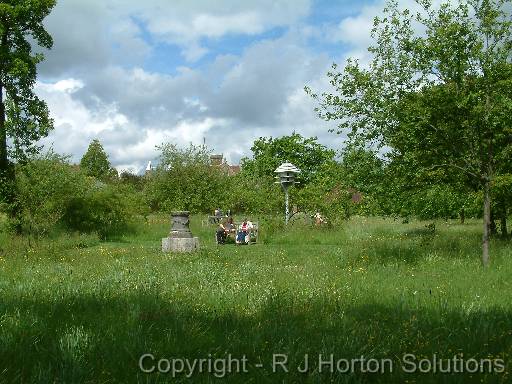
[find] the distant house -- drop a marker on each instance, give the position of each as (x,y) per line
(340,191)
(233,169)
(218,161)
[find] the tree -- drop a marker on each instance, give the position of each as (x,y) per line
(24,118)
(440,99)
(502,196)
(95,162)
(305,153)
(129,178)
(186,180)
(45,186)
(362,169)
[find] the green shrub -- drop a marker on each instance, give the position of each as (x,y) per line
(103,210)
(185,180)
(45,187)
(53,194)
(254,195)
(333,202)
(269,227)
(439,201)
(3,217)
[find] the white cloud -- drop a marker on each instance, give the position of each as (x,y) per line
(75,125)
(131,111)
(187,23)
(64,85)
(129,146)
(85,31)
(355,31)
(98,84)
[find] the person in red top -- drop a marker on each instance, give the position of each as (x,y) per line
(243,235)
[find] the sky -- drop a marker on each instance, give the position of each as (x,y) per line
(136,74)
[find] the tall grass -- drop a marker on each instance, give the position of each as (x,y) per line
(77,310)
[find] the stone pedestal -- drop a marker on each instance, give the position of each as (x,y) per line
(175,244)
(180,238)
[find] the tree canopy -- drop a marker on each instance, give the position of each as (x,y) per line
(186,180)
(305,153)
(436,93)
(95,162)
(24,118)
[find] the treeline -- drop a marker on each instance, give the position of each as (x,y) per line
(436,94)
(53,194)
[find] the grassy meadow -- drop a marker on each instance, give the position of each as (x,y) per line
(77,310)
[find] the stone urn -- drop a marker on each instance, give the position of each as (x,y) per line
(180,225)
(180,238)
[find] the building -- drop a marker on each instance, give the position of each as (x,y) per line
(218,161)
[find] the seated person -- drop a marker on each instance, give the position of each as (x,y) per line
(244,234)
(217,216)
(319,220)
(225,228)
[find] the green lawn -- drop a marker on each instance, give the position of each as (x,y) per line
(77,310)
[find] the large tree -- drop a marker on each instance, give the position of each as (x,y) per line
(24,118)
(436,93)
(185,179)
(95,162)
(305,153)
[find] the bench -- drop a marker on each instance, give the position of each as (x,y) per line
(253,233)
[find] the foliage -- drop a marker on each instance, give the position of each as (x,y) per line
(95,162)
(501,190)
(104,209)
(362,169)
(327,193)
(129,178)
(369,179)
(56,195)
(172,156)
(254,195)
(24,118)
(305,153)
(45,186)
(185,180)
(438,201)
(439,99)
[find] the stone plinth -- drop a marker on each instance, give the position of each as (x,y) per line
(180,238)
(176,244)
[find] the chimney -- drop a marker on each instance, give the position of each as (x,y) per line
(216,159)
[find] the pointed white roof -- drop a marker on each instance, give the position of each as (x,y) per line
(149,168)
(287,167)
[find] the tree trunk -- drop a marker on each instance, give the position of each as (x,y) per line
(462,216)
(4,163)
(7,172)
(487,222)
